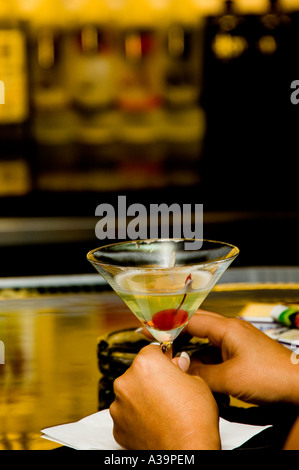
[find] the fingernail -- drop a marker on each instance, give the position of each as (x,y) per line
(184,361)
(156,343)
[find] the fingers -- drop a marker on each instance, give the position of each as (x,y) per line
(143,331)
(207,312)
(209,325)
(198,325)
(153,352)
(149,357)
(183,361)
(216,376)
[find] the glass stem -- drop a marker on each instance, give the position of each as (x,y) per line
(166,347)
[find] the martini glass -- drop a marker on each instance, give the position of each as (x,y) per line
(161,282)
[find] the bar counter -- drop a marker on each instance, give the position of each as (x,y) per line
(50,328)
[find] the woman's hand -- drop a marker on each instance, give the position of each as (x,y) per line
(255,368)
(158,406)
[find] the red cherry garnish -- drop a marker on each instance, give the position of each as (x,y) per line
(168,319)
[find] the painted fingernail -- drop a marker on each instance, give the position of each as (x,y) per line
(184,361)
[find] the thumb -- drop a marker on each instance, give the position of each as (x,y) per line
(183,361)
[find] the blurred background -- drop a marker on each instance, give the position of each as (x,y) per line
(164,101)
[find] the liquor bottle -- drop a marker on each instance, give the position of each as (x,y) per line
(183,65)
(91,54)
(91,75)
(140,54)
(276,43)
(53,122)
(15,175)
(139,94)
(289,6)
(230,41)
(274,27)
(224,91)
(184,27)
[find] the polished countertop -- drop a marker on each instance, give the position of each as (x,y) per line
(50,328)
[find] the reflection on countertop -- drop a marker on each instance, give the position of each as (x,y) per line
(50,328)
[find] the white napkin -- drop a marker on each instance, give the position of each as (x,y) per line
(95,433)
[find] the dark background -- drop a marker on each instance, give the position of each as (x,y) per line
(248,168)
